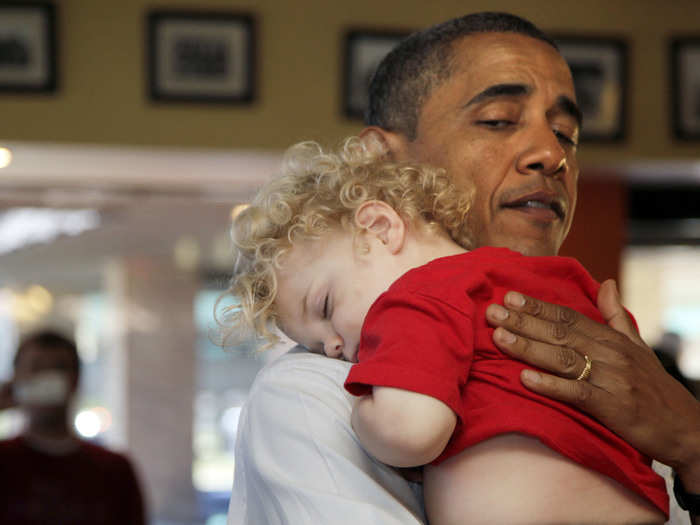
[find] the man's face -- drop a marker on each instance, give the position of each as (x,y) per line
(44,374)
(506,122)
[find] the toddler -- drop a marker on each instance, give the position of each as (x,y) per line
(366,260)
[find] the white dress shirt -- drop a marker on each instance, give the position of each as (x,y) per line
(298,460)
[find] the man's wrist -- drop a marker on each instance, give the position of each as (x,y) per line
(689,467)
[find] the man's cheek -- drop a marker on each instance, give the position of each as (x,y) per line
(478,228)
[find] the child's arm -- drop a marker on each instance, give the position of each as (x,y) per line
(402,428)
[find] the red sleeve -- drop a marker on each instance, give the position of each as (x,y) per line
(418,343)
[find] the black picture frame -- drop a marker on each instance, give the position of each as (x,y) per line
(201,56)
(599,65)
(28,50)
(363,49)
(685,87)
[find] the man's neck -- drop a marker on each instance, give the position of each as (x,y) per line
(51,441)
(49,424)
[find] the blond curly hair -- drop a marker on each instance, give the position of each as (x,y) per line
(319,192)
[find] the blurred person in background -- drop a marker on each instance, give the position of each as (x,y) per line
(47,474)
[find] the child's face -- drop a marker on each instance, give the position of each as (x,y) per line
(325,289)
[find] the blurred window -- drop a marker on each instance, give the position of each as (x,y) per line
(661,288)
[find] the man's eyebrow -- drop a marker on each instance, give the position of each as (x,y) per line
(570,107)
(499,90)
(564,103)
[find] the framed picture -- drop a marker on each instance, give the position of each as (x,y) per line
(201,56)
(27,47)
(599,68)
(362,53)
(685,80)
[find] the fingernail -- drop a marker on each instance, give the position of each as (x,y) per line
(514,299)
(498,312)
(504,336)
(530,376)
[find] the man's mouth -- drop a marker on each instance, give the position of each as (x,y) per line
(539,201)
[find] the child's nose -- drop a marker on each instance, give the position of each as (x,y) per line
(333,347)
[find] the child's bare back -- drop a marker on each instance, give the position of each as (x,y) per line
(517,480)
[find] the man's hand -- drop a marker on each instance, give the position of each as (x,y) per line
(628,390)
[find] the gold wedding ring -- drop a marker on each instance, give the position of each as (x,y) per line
(586,373)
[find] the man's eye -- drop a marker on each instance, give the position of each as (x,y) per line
(496,123)
(563,137)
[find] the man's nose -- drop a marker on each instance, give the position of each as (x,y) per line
(543,154)
(333,347)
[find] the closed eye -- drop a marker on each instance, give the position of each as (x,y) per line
(496,124)
(325,307)
(563,137)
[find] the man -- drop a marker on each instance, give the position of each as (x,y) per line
(48,475)
(488,97)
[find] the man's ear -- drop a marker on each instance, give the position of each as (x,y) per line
(382,222)
(383,142)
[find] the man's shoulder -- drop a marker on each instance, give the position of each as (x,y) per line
(296,387)
(104,457)
(302,370)
(295,447)
(85,452)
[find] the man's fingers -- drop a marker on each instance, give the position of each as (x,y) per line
(560,360)
(540,309)
(541,329)
(555,325)
(581,394)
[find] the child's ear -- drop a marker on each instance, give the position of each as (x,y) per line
(381,221)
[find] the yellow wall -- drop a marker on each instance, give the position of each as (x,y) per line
(102,96)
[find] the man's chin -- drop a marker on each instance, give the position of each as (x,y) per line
(517,231)
(536,246)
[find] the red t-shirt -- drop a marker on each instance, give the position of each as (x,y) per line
(428,333)
(88,486)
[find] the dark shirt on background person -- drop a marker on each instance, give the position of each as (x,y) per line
(81,485)
(48,476)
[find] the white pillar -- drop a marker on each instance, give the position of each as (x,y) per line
(153,376)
